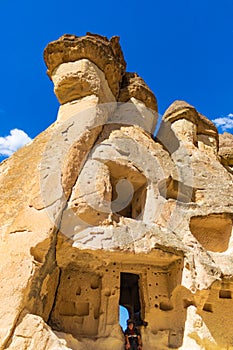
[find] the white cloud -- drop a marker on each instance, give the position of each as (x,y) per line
(10,143)
(225,123)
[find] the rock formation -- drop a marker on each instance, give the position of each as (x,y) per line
(97,213)
(226,149)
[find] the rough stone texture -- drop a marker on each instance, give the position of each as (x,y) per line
(33,333)
(96,213)
(226,149)
(106,54)
(134,86)
(191,127)
(74,80)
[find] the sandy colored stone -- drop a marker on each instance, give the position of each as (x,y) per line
(72,108)
(96,212)
(92,193)
(134,86)
(33,333)
(76,158)
(182,110)
(226,148)
(23,227)
(74,80)
(135,112)
(106,54)
(191,127)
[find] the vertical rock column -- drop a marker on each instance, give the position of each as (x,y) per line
(85,71)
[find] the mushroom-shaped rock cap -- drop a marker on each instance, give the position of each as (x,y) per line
(182,110)
(106,54)
(134,86)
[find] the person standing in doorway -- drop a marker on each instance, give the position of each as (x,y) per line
(132,337)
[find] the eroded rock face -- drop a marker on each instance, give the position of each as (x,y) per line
(96,213)
(134,86)
(226,149)
(105,54)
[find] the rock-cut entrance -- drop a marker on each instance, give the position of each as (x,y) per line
(130,296)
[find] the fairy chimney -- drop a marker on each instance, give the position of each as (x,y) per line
(98,213)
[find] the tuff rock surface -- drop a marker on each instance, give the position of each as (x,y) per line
(226,149)
(97,213)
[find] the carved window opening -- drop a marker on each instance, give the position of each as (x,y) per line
(213,231)
(129,189)
(208,307)
(130,296)
(225,294)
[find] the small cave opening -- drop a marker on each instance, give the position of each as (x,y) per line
(129,189)
(225,294)
(212,231)
(130,296)
(208,307)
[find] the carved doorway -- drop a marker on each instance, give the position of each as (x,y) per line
(130,296)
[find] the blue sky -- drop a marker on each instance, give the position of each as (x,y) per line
(183,50)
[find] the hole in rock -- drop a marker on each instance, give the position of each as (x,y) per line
(225,294)
(95,282)
(78,291)
(165,306)
(213,231)
(129,188)
(82,309)
(208,307)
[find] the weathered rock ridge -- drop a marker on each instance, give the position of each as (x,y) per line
(97,213)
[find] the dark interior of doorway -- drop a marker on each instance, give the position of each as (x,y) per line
(130,296)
